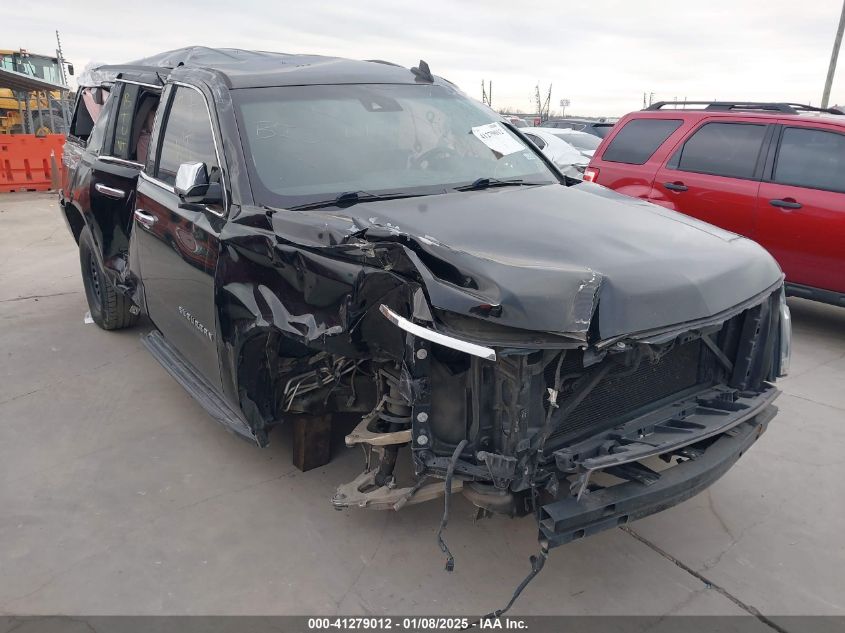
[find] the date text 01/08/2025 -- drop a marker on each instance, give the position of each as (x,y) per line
(414,623)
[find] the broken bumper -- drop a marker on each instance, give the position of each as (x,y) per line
(569,519)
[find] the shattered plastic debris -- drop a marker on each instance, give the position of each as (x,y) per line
(87,318)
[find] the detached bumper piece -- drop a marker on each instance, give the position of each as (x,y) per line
(570,519)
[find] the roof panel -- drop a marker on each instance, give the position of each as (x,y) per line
(251,69)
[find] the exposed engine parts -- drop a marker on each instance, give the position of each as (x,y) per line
(527,428)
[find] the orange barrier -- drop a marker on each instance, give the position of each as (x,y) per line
(29,162)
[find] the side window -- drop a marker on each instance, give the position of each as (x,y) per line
(98,133)
(123,125)
(187,136)
(637,141)
(811,158)
(540,143)
(722,149)
(88,108)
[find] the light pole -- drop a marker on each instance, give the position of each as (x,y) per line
(837,42)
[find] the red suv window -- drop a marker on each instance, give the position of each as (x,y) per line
(639,139)
(721,149)
(811,158)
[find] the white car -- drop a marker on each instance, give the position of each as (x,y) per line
(582,141)
(566,157)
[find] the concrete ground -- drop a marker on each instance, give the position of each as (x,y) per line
(119,495)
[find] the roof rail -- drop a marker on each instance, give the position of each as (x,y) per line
(754,106)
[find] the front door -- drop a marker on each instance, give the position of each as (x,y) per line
(714,175)
(802,206)
(179,242)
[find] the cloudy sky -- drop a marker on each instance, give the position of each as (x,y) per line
(602,55)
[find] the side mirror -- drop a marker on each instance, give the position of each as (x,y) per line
(192,185)
(70,69)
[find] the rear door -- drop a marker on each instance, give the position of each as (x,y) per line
(114,176)
(631,156)
(178,242)
(98,183)
(714,174)
(802,204)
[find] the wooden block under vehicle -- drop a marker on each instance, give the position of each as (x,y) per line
(311,441)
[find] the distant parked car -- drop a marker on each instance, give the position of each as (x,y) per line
(585,143)
(566,157)
(598,128)
(773,172)
(516,121)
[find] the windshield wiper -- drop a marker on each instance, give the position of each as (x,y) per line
(486,183)
(348,198)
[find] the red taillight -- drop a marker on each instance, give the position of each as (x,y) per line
(591,174)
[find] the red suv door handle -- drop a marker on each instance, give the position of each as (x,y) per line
(675,186)
(786,203)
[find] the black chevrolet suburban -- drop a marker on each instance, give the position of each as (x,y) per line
(313,236)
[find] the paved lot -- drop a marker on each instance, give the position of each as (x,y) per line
(119,495)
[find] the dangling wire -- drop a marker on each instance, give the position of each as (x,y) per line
(537,563)
(450,560)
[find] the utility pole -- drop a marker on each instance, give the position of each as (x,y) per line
(61,57)
(837,42)
(487,93)
(543,104)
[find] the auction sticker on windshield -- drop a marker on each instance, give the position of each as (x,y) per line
(494,136)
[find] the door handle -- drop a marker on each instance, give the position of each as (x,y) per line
(145,219)
(110,192)
(675,186)
(786,203)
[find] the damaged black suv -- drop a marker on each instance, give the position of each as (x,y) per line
(313,236)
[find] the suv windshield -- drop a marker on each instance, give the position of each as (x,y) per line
(305,144)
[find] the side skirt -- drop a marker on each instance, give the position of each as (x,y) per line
(816,294)
(196,385)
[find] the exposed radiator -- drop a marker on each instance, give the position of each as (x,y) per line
(619,398)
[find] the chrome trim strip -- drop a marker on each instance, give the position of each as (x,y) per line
(139,83)
(121,161)
(437,337)
(158,183)
(110,192)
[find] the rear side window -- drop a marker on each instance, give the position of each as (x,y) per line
(88,108)
(811,158)
(187,136)
(98,132)
(123,125)
(540,143)
(635,143)
(722,149)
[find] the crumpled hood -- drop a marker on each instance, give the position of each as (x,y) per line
(549,258)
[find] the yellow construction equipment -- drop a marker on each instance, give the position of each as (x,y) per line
(33,94)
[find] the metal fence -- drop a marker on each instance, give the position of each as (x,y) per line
(49,110)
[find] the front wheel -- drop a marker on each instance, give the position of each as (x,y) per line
(109,308)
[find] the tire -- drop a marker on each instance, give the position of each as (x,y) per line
(109,308)
(41,121)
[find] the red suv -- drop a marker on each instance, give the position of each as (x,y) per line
(774,172)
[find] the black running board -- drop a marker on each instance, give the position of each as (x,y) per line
(182,371)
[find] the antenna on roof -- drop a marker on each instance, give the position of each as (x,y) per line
(423,73)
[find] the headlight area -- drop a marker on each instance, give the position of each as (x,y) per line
(785,347)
